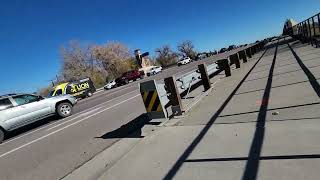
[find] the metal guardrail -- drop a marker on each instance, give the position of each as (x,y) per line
(306,31)
(172,90)
(189,79)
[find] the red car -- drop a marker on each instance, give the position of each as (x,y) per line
(129,76)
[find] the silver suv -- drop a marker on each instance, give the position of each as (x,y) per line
(17,110)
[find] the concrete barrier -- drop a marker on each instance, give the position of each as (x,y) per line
(151,99)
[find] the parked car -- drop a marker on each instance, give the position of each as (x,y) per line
(222,50)
(154,70)
(79,89)
(129,76)
(110,85)
(232,47)
(184,61)
(201,56)
(18,110)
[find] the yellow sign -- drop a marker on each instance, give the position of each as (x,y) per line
(79,87)
(151,101)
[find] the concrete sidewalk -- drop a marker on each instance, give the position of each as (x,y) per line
(263,122)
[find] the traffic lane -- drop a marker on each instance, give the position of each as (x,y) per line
(103,97)
(84,105)
(15,142)
(65,148)
(81,106)
(106,92)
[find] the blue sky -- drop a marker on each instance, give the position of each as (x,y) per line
(31,32)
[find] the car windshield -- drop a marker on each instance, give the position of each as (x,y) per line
(51,93)
(5,104)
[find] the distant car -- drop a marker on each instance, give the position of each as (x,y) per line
(18,110)
(184,61)
(110,85)
(232,47)
(201,56)
(129,76)
(222,50)
(154,70)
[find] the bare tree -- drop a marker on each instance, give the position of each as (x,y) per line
(114,57)
(165,55)
(79,62)
(186,48)
(74,61)
(44,91)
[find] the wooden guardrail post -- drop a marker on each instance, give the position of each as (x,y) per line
(235,59)
(204,76)
(173,95)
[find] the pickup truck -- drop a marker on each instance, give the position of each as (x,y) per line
(129,76)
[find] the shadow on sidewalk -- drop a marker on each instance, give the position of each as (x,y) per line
(130,130)
(273,120)
(313,81)
(279,74)
(285,157)
(175,168)
(272,109)
(252,165)
(282,85)
(254,155)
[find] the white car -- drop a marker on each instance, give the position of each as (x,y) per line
(17,110)
(110,85)
(184,61)
(154,70)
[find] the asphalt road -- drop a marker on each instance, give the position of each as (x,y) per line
(52,148)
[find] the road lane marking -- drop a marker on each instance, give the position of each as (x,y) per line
(72,117)
(88,112)
(58,130)
(108,93)
(81,115)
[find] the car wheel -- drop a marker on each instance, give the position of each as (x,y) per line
(1,135)
(64,109)
(89,94)
(141,77)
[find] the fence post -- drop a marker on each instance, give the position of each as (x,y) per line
(235,59)
(248,53)
(173,95)
(314,27)
(319,21)
(223,64)
(309,27)
(253,50)
(243,56)
(305,31)
(204,76)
